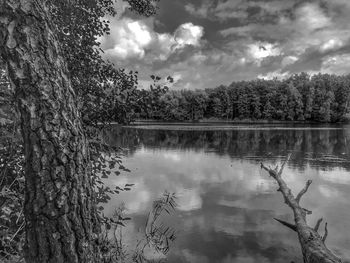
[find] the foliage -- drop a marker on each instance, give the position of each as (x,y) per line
(103,94)
(156,236)
(320,98)
(11,177)
(148,102)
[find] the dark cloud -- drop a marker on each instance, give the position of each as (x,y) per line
(207,43)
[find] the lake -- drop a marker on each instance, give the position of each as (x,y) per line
(226,203)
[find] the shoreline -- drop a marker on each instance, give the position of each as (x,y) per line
(225,126)
(233,122)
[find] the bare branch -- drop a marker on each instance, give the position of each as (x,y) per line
(269,170)
(317,226)
(308,212)
(289,225)
(284,163)
(325,233)
(312,244)
(303,191)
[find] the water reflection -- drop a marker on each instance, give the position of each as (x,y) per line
(318,146)
(225,202)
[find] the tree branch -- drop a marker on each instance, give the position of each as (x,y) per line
(287,224)
(284,163)
(312,244)
(304,190)
(325,233)
(318,224)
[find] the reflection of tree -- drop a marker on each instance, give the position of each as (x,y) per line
(321,148)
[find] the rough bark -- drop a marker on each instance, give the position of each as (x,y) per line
(312,243)
(61,223)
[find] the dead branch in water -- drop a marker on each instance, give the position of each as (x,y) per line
(312,243)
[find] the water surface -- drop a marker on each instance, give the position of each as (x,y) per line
(226,203)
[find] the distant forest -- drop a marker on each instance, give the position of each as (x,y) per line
(318,98)
(301,97)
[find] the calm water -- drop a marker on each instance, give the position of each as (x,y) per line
(226,204)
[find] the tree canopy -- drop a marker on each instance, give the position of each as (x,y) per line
(301,97)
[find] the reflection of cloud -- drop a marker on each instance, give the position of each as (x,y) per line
(152,255)
(230,200)
(231,225)
(137,203)
(140,197)
(338,176)
(243,259)
(260,185)
(328,192)
(175,157)
(192,257)
(189,200)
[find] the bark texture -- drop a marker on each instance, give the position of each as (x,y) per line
(312,243)
(61,223)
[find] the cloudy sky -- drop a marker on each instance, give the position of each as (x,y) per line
(205,43)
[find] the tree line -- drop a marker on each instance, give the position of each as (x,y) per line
(301,97)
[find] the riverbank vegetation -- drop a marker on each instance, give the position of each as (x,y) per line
(301,97)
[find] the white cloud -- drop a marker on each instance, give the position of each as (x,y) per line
(188,34)
(243,51)
(311,17)
(228,5)
(288,60)
(228,14)
(338,64)
(129,39)
(223,11)
(274,74)
(331,44)
(132,39)
(202,11)
(260,50)
(241,31)
(312,28)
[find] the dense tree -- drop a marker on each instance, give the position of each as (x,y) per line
(149,100)
(320,98)
(105,92)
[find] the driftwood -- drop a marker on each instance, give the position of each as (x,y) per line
(312,243)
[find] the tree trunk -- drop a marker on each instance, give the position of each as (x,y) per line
(61,221)
(312,243)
